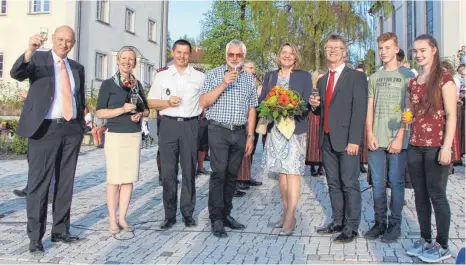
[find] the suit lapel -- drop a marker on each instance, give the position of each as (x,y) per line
(323,89)
(340,82)
(50,65)
(273,82)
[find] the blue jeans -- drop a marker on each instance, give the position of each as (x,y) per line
(381,164)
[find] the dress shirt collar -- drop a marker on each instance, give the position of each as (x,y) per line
(56,59)
(339,68)
(187,71)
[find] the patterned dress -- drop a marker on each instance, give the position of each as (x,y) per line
(282,155)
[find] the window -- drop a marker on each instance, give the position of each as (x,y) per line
(103,10)
(149,69)
(430,17)
(100,66)
(3,7)
(381,24)
(129,25)
(415,19)
(39,6)
(1,65)
(409,30)
(152,31)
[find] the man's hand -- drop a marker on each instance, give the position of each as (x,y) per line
(372,143)
(230,77)
(35,42)
(352,149)
(314,101)
(249,146)
(174,101)
(395,146)
(22,95)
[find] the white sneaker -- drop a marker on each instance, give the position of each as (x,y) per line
(418,247)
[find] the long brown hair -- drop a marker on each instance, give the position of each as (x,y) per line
(432,100)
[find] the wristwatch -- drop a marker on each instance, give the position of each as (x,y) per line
(251,137)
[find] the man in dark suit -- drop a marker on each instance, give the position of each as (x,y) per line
(342,117)
(53,121)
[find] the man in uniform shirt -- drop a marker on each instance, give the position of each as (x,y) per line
(230,98)
(175,93)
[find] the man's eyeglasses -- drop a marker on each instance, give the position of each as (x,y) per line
(233,55)
(337,49)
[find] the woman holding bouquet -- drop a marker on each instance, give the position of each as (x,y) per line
(282,154)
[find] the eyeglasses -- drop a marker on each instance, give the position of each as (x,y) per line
(233,55)
(337,49)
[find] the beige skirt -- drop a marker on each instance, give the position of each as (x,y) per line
(122,151)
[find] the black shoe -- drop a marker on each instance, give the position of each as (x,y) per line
(20,193)
(218,229)
(65,238)
(160,182)
(254,183)
(239,193)
(346,236)
(363,170)
(203,172)
(36,247)
(392,234)
(242,186)
(189,221)
(313,171)
(332,228)
(320,171)
(167,224)
(376,231)
(232,223)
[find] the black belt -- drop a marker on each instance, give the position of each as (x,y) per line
(230,127)
(61,120)
(181,118)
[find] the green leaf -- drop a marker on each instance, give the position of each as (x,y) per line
(275,114)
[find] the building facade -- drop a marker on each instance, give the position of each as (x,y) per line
(102,27)
(445,20)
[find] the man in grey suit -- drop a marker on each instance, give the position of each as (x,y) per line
(53,121)
(342,116)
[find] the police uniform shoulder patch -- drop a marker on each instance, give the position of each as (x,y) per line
(162,69)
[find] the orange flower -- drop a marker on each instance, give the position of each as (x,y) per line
(283,92)
(276,88)
(284,100)
(294,102)
(271,94)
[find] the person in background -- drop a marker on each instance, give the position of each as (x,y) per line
(364,160)
(462,54)
(123,138)
(203,145)
(400,57)
(97,131)
(87,120)
(432,96)
(313,154)
(407,64)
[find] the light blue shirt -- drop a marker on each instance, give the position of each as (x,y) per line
(55,110)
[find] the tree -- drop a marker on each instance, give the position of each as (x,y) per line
(369,62)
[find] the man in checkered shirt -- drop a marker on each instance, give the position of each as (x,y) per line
(229,97)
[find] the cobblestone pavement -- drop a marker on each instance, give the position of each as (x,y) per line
(259,209)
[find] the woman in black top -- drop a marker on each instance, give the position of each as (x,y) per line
(123,137)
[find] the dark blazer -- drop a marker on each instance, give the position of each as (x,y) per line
(41,74)
(347,110)
(301,82)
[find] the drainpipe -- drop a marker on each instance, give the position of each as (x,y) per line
(78,30)
(162,46)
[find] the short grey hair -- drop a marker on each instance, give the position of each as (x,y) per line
(236,43)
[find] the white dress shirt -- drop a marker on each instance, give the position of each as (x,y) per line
(187,86)
(338,70)
(55,111)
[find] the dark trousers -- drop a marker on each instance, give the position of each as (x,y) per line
(178,141)
(429,180)
(342,172)
(52,150)
(226,153)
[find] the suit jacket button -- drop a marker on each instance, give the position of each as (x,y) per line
(45,111)
(51,98)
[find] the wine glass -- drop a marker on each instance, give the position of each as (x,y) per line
(408,115)
(315,92)
(134,100)
(44,32)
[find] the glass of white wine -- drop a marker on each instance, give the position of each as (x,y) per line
(134,100)
(44,32)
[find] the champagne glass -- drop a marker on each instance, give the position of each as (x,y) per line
(134,100)
(315,92)
(408,115)
(44,32)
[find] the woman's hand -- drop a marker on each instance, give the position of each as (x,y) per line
(128,107)
(136,117)
(444,157)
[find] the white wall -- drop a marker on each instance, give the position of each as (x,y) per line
(17,26)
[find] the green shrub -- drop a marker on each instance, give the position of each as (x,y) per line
(20,145)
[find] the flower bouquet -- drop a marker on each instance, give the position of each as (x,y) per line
(280,106)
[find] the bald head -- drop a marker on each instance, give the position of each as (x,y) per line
(63,41)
